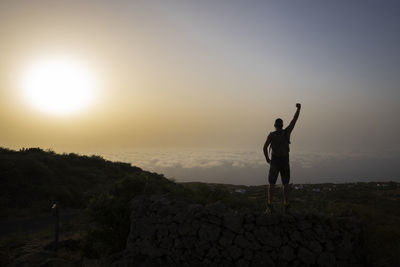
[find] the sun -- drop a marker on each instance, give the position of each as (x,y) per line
(58,85)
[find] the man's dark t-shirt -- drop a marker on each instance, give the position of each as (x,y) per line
(280,141)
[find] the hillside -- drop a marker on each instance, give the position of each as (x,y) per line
(33,178)
(98,193)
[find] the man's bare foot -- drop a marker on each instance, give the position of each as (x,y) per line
(269,209)
(286,208)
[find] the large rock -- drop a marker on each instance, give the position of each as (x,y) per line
(227,238)
(242,242)
(306,256)
(209,232)
(234,222)
(287,253)
(326,259)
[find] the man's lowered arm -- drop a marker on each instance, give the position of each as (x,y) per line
(266,145)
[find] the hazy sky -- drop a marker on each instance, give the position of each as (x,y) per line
(213,76)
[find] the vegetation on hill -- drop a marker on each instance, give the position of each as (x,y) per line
(32,178)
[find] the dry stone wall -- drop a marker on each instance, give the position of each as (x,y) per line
(167,232)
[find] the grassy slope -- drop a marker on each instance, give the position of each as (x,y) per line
(31,179)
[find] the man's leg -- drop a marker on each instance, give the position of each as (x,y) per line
(272,177)
(285,175)
(285,190)
(270,190)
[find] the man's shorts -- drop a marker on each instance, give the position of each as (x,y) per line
(279,166)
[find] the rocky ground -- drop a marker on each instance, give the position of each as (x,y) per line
(165,232)
(321,232)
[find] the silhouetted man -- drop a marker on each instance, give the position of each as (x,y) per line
(278,142)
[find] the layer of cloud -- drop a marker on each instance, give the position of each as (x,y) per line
(249,167)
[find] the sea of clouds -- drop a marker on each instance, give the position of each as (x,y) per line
(250,168)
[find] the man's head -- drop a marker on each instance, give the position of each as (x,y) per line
(278,124)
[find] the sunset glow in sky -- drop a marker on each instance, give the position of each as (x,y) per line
(57,86)
(133,80)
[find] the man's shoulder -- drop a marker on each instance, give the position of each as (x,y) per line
(272,134)
(283,132)
(278,132)
(288,130)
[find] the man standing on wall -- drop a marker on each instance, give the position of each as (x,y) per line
(278,141)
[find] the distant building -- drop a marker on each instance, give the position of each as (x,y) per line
(316,190)
(382,185)
(240,190)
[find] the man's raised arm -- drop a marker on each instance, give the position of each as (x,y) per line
(294,120)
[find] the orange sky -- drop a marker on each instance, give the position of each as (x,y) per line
(203,75)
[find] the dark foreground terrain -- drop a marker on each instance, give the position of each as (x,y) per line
(94,196)
(168,232)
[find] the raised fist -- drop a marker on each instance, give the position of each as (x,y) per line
(298,105)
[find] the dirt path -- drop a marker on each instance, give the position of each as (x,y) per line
(36,224)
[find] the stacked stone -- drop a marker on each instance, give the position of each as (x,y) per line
(167,232)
